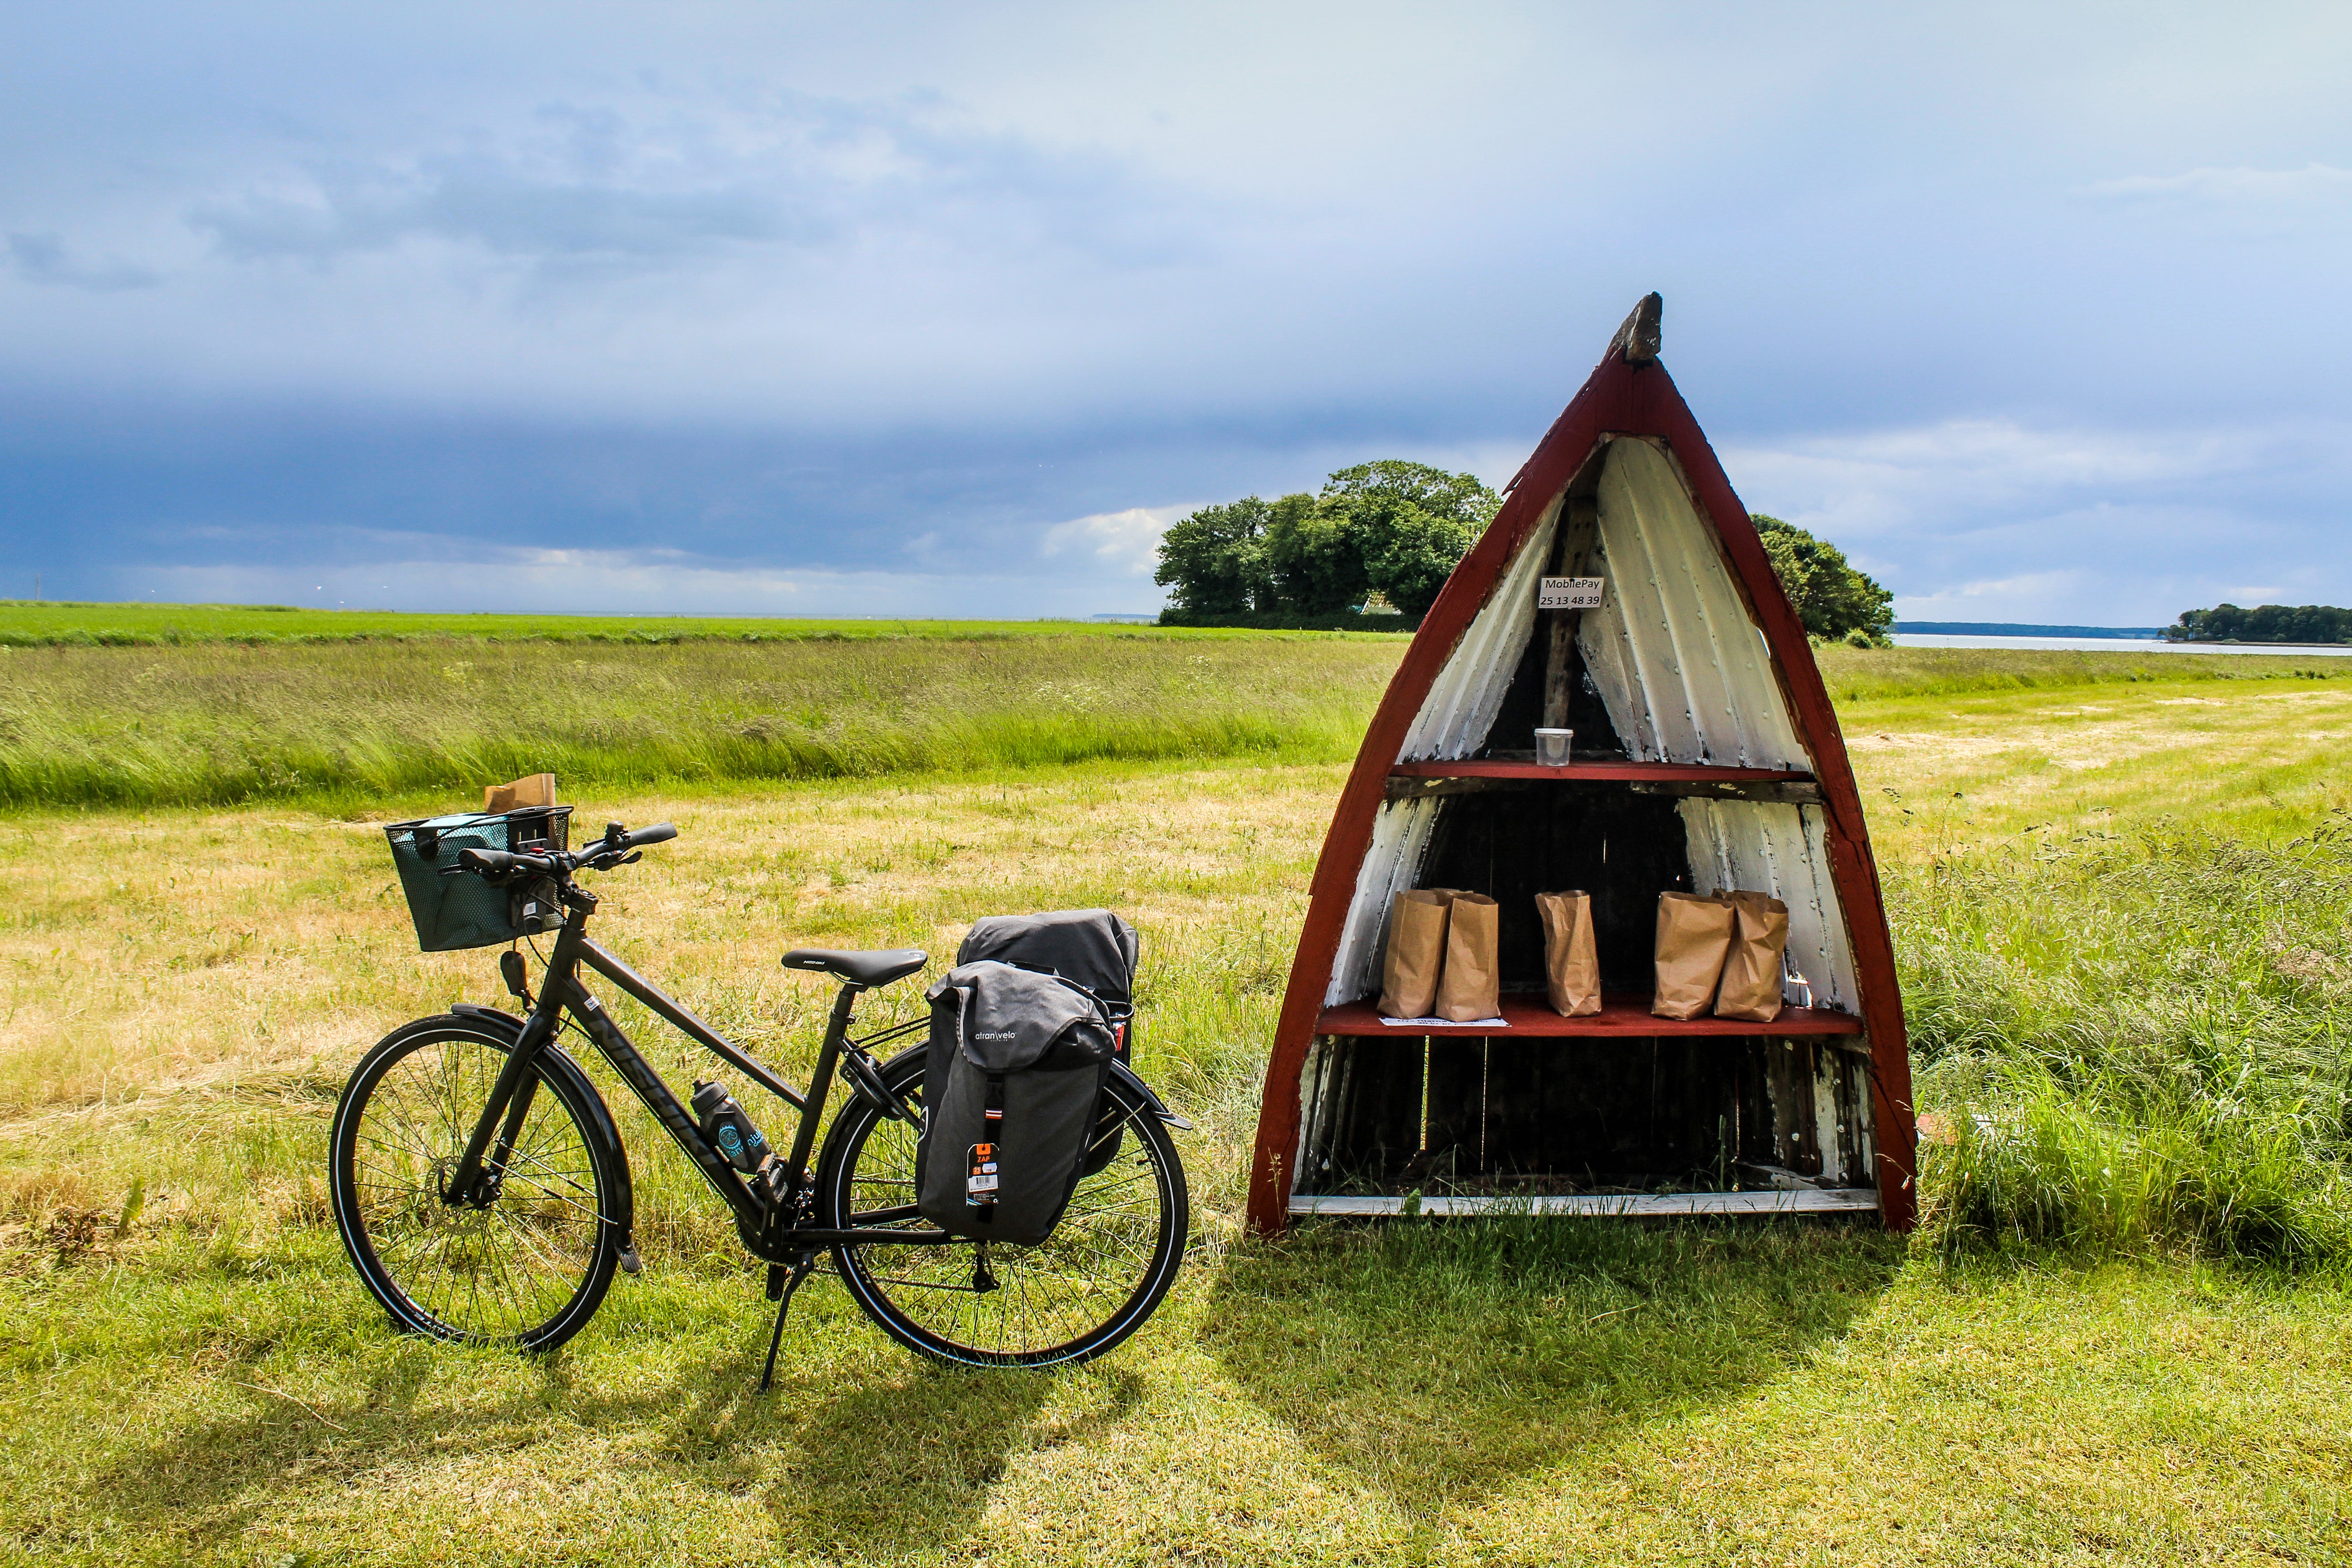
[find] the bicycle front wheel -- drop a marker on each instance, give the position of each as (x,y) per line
(529,1266)
(1086,1288)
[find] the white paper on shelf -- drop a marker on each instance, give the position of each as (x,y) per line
(1443,1023)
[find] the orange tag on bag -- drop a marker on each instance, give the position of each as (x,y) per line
(980,1174)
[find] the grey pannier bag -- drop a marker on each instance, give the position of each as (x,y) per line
(1012,1092)
(1093,947)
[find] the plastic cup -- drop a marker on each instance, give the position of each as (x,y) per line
(1552,747)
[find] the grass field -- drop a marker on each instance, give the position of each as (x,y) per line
(349,722)
(2120,902)
(26,622)
(351,725)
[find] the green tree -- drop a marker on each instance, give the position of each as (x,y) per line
(1392,527)
(1830,596)
(1409,525)
(1215,559)
(1457,496)
(2264,623)
(1315,560)
(1409,552)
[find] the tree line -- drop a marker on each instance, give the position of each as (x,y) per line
(1387,535)
(2264,623)
(1837,601)
(1389,529)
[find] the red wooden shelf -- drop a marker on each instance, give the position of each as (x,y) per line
(1623,1015)
(1670,772)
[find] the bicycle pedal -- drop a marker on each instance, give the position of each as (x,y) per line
(630,1262)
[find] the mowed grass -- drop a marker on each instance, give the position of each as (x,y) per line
(2124,923)
(196,1374)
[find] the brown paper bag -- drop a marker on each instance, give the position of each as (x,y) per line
(537,789)
(1572,964)
(1417,925)
(1471,987)
(1751,974)
(1694,939)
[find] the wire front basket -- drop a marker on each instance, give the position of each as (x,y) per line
(461,910)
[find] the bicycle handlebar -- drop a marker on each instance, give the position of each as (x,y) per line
(499,862)
(617,848)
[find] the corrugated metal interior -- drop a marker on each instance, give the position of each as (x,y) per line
(1681,663)
(1676,659)
(1392,863)
(1453,723)
(1460,709)
(1780,850)
(1686,676)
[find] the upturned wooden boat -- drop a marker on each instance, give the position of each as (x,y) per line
(1707,758)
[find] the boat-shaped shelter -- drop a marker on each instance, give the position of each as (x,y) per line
(1707,758)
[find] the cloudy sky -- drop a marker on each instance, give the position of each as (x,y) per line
(947,309)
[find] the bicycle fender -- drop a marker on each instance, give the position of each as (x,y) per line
(1126,1075)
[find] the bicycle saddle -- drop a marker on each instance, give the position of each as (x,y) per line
(859,968)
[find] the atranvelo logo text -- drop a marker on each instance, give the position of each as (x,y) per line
(994,1034)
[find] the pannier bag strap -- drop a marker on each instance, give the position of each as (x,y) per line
(982,1180)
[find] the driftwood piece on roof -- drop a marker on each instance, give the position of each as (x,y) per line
(1639,337)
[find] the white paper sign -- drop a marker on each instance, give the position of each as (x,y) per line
(1568,594)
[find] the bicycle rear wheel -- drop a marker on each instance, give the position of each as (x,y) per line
(1091,1283)
(530,1266)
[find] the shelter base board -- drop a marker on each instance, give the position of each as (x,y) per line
(1594,1205)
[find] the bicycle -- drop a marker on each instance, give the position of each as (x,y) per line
(482,1191)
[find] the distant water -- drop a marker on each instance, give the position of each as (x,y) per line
(2124,645)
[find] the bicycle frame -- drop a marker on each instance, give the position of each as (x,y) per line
(775,1232)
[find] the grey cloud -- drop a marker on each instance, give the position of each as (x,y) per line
(44,258)
(664,183)
(2313,182)
(506,214)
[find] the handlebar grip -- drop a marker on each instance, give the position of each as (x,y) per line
(658,833)
(498,862)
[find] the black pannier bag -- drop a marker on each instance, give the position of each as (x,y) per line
(1093,947)
(1012,1092)
(462,911)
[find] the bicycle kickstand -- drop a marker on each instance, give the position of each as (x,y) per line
(781,1283)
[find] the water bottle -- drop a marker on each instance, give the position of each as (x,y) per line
(724,1123)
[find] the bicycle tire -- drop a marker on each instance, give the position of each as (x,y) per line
(530,1268)
(914,1293)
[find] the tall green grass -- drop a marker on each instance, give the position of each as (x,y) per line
(222,723)
(1855,675)
(26,622)
(2137,1042)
